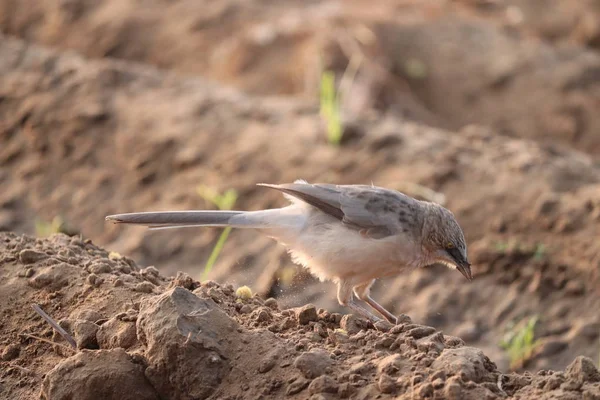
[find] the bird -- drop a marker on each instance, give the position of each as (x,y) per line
(350,235)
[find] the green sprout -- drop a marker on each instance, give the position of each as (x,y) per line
(540,250)
(520,343)
(330,108)
(44,228)
(224,201)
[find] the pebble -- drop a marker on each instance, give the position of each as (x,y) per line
(85,334)
(10,352)
(420,332)
(93,280)
(296,387)
(271,303)
(246,309)
(30,256)
(100,268)
(306,314)
(313,364)
(323,384)
(583,370)
(351,324)
(144,287)
(386,384)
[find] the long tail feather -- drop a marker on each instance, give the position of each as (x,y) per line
(177,219)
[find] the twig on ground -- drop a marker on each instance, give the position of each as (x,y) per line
(41,339)
(54,325)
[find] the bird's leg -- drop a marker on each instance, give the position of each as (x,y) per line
(363,292)
(345,298)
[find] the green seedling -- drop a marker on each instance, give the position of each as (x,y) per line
(224,201)
(44,228)
(520,343)
(330,108)
(540,250)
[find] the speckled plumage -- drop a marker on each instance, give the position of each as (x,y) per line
(348,234)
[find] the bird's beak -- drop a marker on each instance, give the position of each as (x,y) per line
(465,269)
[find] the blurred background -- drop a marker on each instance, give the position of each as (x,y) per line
(489,107)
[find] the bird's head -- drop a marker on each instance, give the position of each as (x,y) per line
(444,241)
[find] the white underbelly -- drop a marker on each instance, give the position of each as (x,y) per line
(337,253)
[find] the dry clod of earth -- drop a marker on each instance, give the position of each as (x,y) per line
(175,343)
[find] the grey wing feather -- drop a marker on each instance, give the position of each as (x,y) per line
(362,207)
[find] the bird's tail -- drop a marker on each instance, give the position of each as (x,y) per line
(181,219)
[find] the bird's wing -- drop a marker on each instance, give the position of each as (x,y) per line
(373,211)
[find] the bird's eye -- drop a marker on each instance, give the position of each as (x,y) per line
(449,246)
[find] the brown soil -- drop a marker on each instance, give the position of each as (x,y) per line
(499,116)
(141,335)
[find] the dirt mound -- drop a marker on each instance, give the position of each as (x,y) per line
(145,336)
(521,67)
(86,139)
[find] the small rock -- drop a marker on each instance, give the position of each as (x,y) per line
(151,275)
(85,334)
(362,368)
(272,303)
(184,280)
(345,390)
(86,374)
(269,362)
(453,341)
(351,324)
(554,382)
(211,283)
(30,256)
(116,333)
(426,390)
(296,387)
(453,391)
(262,315)
(336,318)
(53,278)
(306,314)
(313,364)
(469,362)
(338,336)
(118,282)
(383,326)
(323,384)
(124,268)
(183,332)
(320,330)
(420,332)
(403,319)
(246,309)
(386,384)
(144,287)
(94,280)
(100,267)
(571,386)
(392,364)
(151,270)
(582,370)
(10,352)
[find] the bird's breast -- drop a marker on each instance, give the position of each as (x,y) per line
(333,252)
